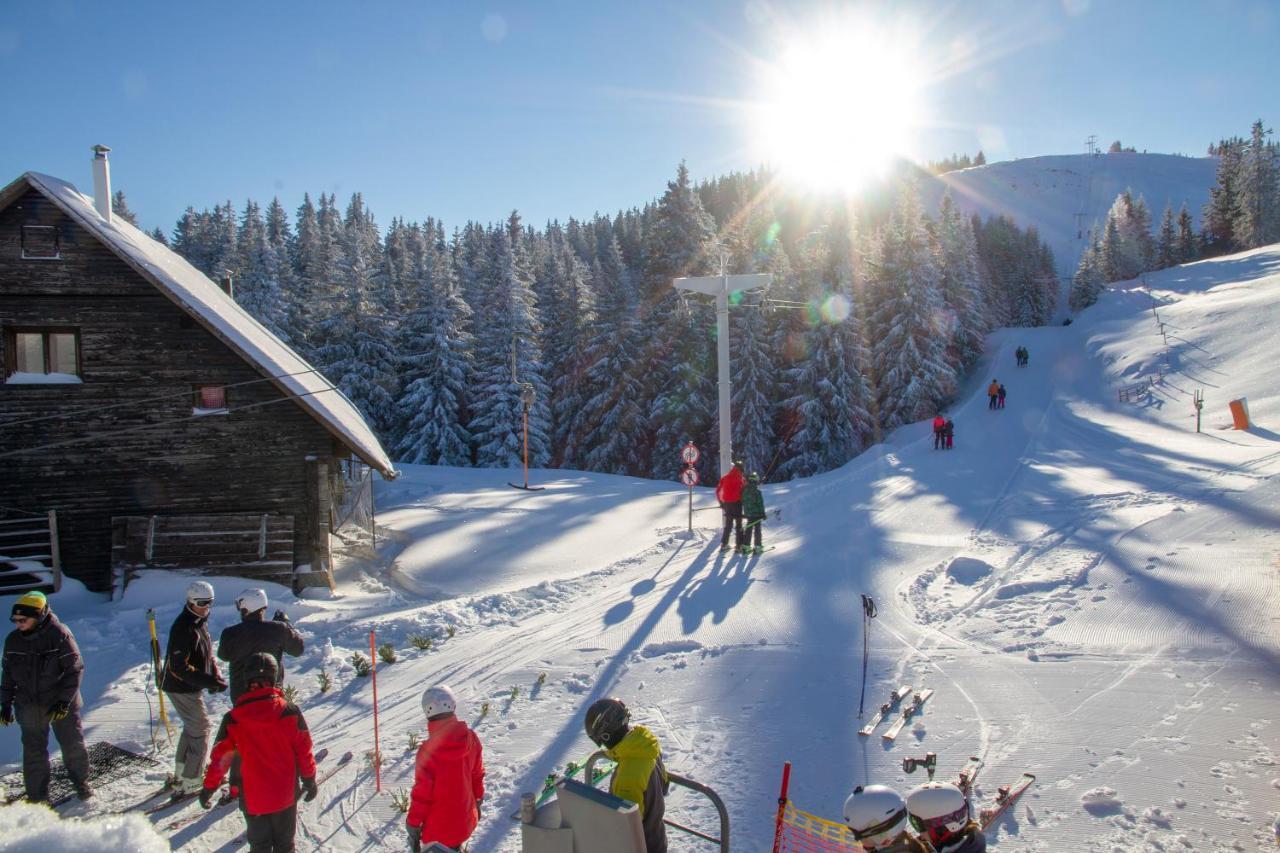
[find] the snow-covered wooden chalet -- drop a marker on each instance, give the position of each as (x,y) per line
(146,419)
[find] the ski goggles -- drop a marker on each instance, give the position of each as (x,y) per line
(879,828)
(940,828)
(202,602)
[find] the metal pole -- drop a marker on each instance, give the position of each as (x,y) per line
(722,357)
(526,445)
(691,496)
(377,749)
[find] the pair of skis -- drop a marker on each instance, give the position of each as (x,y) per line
(917,705)
(1006,794)
(908,711)
(895,698)
(571,771)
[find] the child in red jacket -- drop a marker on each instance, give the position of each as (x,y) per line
(271,738)
(448,779)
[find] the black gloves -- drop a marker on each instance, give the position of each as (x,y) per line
(415,838)
(309,789)
(58,711)
(280,616)
(206,797)
(218,687)
(6,714)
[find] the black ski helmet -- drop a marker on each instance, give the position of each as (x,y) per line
(606,722)
(261,668)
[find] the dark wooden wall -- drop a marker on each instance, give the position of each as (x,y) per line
(136,345)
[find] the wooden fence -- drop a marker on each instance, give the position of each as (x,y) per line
(248,545)
(29,553)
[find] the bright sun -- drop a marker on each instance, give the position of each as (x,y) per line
(838,109)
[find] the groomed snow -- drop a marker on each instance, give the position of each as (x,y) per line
(1088,585)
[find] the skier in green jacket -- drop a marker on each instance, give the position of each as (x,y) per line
(753,511)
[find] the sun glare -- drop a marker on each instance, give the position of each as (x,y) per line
(837,109)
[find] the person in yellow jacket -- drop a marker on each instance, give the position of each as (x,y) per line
(640,776)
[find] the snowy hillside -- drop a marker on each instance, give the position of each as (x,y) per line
(1088,585)
(1049,192)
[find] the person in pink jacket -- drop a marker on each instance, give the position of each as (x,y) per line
(448,778)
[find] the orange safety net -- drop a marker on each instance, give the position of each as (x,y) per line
(801,832)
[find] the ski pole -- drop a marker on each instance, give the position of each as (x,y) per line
(868,613)
(155,666)
(377,750)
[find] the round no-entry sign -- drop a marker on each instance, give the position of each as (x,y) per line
(689,476)
(689,454)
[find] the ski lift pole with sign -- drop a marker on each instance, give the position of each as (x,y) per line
(527,398)
(689,455)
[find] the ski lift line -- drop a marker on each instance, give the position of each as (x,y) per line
(187,394)
(111,433)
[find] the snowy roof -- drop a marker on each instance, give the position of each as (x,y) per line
(205,301)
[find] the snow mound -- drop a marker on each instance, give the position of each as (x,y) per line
(30,828)
(1101,801)
(654,650)
(968,570)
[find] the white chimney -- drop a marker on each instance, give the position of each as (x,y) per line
(101,182)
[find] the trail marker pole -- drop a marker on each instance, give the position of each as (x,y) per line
(690,455)
(1199,404)
(377,749)
(158,670)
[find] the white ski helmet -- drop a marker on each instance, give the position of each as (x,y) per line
(251,601)
(438,700)
(938,810)
(200,591)
(876,814)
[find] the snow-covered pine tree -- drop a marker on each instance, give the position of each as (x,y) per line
(908,343)
(1257,204)
(612,409)
(568,308)
(508,334)
(961,285)
(277,270)
(257,291)
(435,362)
(224,243)
(1089,279)
(680,369)
(158,235)
(120,207)
(1113,262)
(192,239)
(1218,218)
(1186,248)
(1166,241)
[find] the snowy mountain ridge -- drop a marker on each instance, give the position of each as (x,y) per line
(1064,195)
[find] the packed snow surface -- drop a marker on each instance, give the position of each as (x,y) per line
(1089,586)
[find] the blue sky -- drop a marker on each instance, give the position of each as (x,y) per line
(467,111)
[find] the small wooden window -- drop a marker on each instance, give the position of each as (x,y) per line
(210,400)
(41,356)
(40,242)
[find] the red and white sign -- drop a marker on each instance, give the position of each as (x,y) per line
(689,476)
(689,454)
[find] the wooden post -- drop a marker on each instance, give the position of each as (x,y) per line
(55,556)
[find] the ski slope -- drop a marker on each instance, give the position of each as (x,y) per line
(1088,585)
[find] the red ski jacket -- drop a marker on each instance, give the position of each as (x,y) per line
(448,781)
(274,744)
(938,423)
(730,488)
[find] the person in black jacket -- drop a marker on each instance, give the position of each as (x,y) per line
(39,687)
(190,670)
(255,634)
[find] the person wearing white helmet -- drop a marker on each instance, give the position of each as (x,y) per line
(256,634)
(939,811)
(189,670)
(877,817)
(448,776)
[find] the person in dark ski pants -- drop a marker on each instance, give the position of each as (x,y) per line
(448,776)
(641,776)
(729,493)
(993,392)
(938,423)
(949,433)
(270,736)
(189,670)
(753,511)
(253,635)
(39,688)
(1000,392)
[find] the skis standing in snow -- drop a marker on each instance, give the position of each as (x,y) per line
(917,703)
(753,510)
(190,669)
(448,776)
(729,493)
(894,698)
(271,738)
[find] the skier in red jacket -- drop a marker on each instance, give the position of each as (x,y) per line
(448,776)
(938,423)
(271,738)
(729,493)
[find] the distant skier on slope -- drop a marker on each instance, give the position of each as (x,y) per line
(993,391)
(729,493)
(939,811)
(640,776)
(448,776)
(877,817)
(1000,392)
(938,423)
(948,434)
(271,739)
(753,510)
